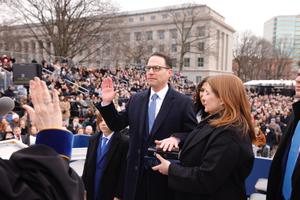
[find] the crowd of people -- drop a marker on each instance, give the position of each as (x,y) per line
(232,126)
(271,114)
(80,90)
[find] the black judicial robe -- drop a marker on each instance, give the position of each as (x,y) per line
(42,171)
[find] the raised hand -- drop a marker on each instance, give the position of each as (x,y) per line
(108,93)
(46,112)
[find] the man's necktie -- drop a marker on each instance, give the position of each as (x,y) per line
(151,111)
(291,162)
(103,145)
(99,166)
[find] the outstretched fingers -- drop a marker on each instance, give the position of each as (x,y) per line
(55,100)
(107,83)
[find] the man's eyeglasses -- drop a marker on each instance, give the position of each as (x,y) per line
(155,68)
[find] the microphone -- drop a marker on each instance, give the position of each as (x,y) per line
(6,105)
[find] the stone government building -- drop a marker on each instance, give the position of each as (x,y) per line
(197,30)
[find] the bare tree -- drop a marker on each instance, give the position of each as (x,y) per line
(193,37)
(138,51)
(282,59)
(243,53)
(71,26)
(256,58)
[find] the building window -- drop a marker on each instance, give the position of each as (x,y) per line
(201,31)
(174,62)
(149,35)
(198,79)
(174,48)
(200,62)
(187,32)
(161,34)
(201,46)
(130,19)
(177,14)
(107,51)
(139,48)
(26,46)
(41,44)
(6,46)
(127,36)
(33,46)
(173,33)
(19,46)
(187,47)
(164,16)
(142,19)
(150,49)
(161,48)
(137,36)
(137,61)
(152,17)
(186,62)
(48,44)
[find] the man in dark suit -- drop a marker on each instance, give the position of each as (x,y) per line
(154,114)
(284,176)
(111,165)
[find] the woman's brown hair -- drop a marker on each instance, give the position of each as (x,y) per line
(236,111)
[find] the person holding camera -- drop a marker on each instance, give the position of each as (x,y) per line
(217,155)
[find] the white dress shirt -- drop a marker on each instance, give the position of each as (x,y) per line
(161,96)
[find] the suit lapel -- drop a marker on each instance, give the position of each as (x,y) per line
(164,110)
(296,174)
(94,150)
(143,114)
(196,136)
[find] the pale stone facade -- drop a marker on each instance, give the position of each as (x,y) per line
(143,32)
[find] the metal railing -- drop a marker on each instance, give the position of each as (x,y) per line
(80,88)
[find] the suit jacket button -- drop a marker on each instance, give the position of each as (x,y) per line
(139,151)
(135,168)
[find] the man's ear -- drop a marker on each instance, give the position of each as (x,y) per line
(171,72)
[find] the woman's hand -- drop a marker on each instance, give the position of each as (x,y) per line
(46,112)
(163,167)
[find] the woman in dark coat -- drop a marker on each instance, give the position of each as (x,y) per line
(198,105)
(217,156)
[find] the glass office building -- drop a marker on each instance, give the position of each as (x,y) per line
(284,33)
